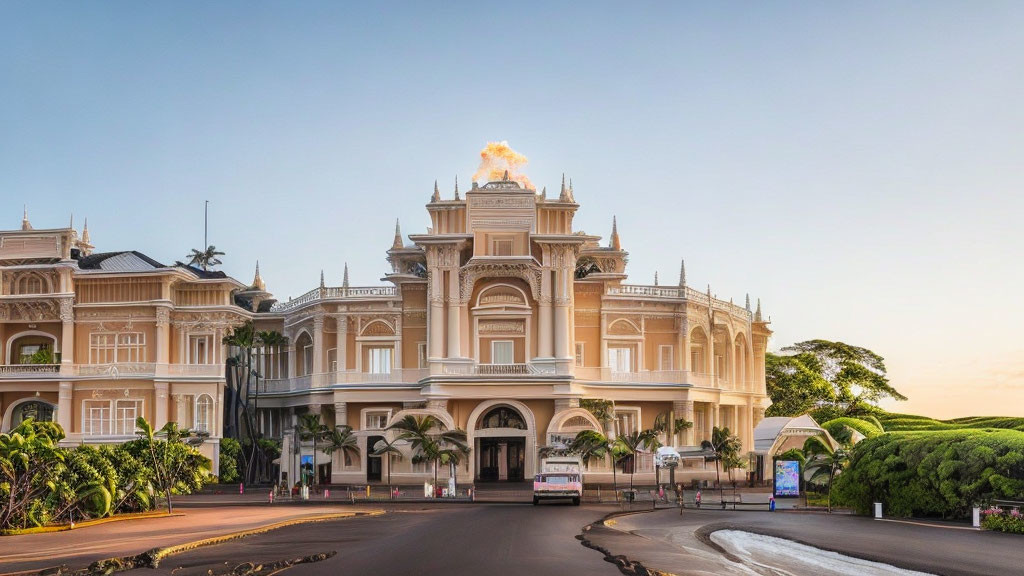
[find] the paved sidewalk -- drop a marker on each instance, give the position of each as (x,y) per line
(83,546)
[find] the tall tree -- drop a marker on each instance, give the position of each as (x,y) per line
(384,447)
(819,373)
(633,443)
(590,445)
(725,448)
(430,439)
(311,428)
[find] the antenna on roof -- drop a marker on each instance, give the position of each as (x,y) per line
(206,225)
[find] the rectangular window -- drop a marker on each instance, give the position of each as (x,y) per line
(199,349)
(665,353)
(579,354)
(307,359)
(332,359)
(720,367)
(421,354)
(696,362)
(627,421)
(380,361)
(125,413)
(620,359)
(102,348)
(131,347)
(503,352)
(377,420)
(501,247)
(96,417)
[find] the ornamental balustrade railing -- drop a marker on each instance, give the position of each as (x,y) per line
(679,293)
(28,369)
(334,293)
(328,379)
(516,369)
(118,369)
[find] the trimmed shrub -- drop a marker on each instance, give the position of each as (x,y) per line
(864,427)
(230,451)
(1002,521)
(935,473)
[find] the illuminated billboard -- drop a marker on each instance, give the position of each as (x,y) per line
(787,478)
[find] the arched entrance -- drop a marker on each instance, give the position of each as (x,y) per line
(34,408)
(504,440)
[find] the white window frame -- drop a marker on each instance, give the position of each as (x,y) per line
(194,356)
(618,365)
(494,351)
(89,421)
(117,347)
(634,412)
(332,359)
(367,413)
(380,365)
(580,357)
(671,357)
(421,355)
(126,427)
(198,423)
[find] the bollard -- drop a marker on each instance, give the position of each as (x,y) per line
(878,509)
(771,503)
(327,493)
(271,496)
(241,488)
(367,490)
(976,517)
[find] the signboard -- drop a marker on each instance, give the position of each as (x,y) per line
(787,478)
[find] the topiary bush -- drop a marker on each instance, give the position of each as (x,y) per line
(935,473)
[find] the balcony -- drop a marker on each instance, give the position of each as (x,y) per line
(657,377)
(336,292)
(347,377)
(517,369)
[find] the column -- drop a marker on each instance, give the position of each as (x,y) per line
(737,429)
(340,413)
(435,321)
(398,342)
(160,390)
(713,418)
(712,368)
(544,320)
(65,396)
(318,345)
(163,336)
(454,340)
(67,335)
(561,315)
(341,320)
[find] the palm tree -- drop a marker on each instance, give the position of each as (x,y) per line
(341,438)
(824,460)
(311,428)
(725,446)
(430,439)
(591,444)
(384,447)
(205,258)
(635,442)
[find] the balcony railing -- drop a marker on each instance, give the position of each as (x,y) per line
(119,369)
(682,293)
(662,377)
(516,369)
(28,369)
(335,292)
(328,379)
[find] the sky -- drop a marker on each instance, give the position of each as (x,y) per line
(856,166)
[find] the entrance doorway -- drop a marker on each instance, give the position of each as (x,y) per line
(373,463)
(502,459)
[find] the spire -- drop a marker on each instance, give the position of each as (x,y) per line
(456,185)
(504,177)
(563,183)
(344,277)
(25,225)
(437,194)
(682,272)
(748,301)
(322,285)
(757,313)
(564,196)
(397,244)
(614,243)
(544,193)
(257,282)
(71,224)
(655,277)
(85,231)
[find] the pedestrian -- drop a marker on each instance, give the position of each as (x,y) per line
(696,498)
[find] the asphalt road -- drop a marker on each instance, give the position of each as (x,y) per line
(452,540)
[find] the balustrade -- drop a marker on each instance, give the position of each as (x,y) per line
(334,292)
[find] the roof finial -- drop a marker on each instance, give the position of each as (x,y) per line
(24,219)
(748,301)
(437,194)
(397,244)
(504,177)
(71,224)
(682,272)
(655,277)
(344,277)
(572,193)
(757,313)
(563,184)
(257,282)
(614,243)
(544,193)
(322,285)
(456,185)
(85,231)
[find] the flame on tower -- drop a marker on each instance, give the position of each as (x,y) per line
(496,158)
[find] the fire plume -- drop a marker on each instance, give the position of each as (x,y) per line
(496,158)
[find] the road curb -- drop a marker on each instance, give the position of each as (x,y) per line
(88,523)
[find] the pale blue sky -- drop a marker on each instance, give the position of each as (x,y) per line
(857,166)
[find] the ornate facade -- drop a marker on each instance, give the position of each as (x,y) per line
(500,320)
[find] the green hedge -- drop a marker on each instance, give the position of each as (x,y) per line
(893,422)
(934,473)
(1001,521)
(866,428)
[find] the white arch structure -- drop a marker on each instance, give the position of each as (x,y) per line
(530,434)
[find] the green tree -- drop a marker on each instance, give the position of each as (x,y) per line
(824,462)
(390,449)
(818,373)
(725,448)
(177,465)
(230,452)
(590,445)
(205,258)
(312,429)
(632,444)
(30,467)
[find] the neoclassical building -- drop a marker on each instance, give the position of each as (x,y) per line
(499,319)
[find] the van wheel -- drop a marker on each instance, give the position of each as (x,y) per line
(536,500)
(576,501)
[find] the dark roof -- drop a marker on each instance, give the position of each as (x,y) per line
(95,261)
(205,274)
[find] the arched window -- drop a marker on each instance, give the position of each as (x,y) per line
(503,417)
(31,284)
(36,410)
(204,413)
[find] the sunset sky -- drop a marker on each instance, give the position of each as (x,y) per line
(858,167)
